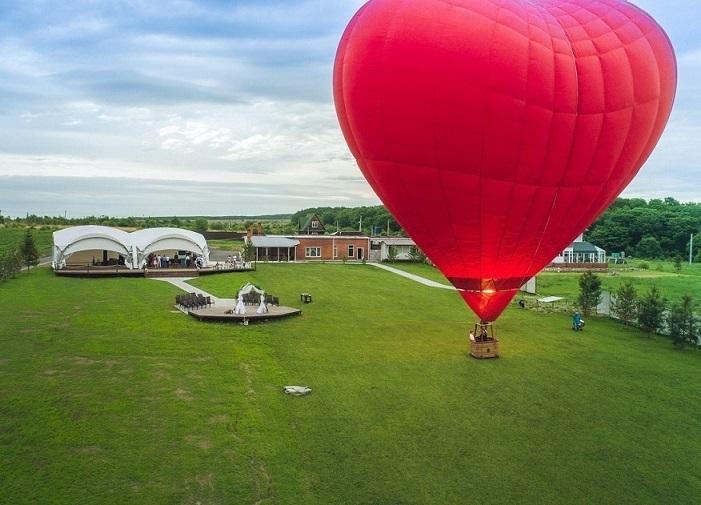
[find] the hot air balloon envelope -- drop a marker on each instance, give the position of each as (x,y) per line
(496,132)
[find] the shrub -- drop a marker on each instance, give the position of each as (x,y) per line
(651,311)
(682,324)
(624,306)
(589,292)
(644,266)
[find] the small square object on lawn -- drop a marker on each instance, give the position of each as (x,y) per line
(305,298)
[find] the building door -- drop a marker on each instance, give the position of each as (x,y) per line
(361,253)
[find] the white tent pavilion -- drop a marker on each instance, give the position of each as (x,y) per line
(85,243)
(92,244)
(151,240)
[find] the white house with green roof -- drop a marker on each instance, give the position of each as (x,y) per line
(579,252)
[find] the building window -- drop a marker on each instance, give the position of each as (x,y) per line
(351,251)
(335,252)
(312,252)
(315,224)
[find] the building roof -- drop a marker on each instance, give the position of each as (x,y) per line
(584,248)
(271,241)
(308,223)
(348,234)
(396,241)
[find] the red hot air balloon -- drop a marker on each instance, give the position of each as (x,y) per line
(496,131)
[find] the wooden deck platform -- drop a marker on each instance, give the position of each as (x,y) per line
(97,272)
(224,314)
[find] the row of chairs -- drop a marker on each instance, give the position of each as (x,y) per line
(254,299)
(193,301)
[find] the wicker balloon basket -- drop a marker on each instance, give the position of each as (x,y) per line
(483,342)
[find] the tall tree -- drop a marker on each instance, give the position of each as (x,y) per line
(28,249)
(589,292)
(651,310)
(248,252)
(624,305)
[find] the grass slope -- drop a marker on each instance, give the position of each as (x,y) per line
(106,396)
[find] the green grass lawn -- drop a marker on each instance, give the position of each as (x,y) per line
(661,274)
(10,238)
(673,286)
(108,397)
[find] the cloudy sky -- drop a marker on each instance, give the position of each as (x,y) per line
(150,107)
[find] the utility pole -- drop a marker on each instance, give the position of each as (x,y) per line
(360,228)
(691,249)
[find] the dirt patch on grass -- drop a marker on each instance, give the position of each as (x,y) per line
(26,330)
(80,360)
(109,364)
(202,359)
(219,419)
(183,394)
(248,378)
(50,371)
(264,484)
(4,361)
(205,480)
(201,442)
(89,450)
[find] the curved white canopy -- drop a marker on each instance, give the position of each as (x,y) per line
(134,246)
(162,239)
(86,238)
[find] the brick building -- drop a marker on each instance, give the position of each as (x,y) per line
(310,248)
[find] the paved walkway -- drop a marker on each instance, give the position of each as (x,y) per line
(413,277)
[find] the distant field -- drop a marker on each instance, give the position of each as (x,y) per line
(108,396)
(10,238)
(226,245)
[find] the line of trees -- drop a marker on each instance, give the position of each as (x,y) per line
(375,219)
(651,312)
(648,229)
(11,260)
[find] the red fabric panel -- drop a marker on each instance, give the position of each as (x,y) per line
(497,130)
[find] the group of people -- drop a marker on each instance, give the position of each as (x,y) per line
(188,260)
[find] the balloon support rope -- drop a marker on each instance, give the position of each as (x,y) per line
(483,341)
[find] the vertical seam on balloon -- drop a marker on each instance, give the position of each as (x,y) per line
(515,182)
(530,206)
(573,137)
(482,149)
(547,15)
(448,211)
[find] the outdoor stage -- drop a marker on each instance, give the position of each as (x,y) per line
(223,313)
